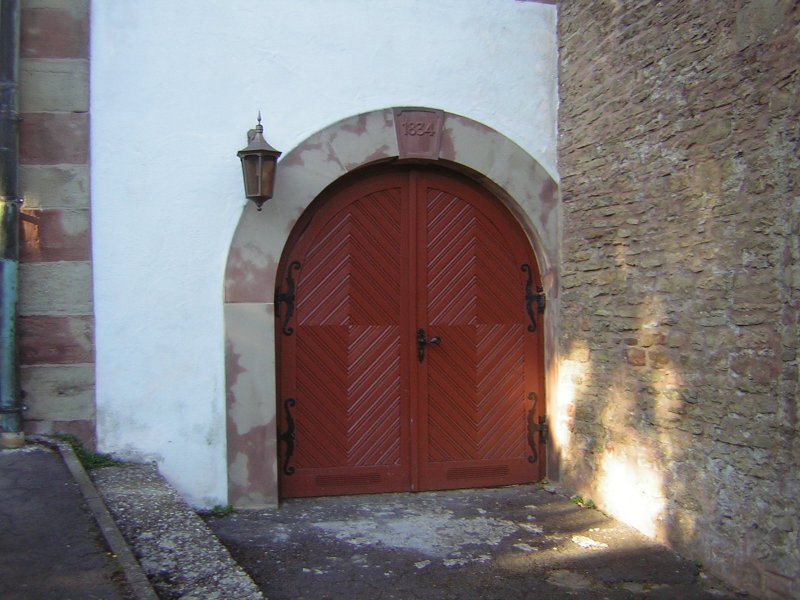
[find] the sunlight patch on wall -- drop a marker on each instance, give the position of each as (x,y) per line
(631,489)
(574,374)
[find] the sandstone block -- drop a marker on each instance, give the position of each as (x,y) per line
(54,235)
(54,85)
(55,186)
(652,339)
(658,357)
(54,138)
(55,340)
(58,393)
(56,289)
(54,32)
(77,8)
(636,357)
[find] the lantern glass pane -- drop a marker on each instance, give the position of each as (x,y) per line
(250,170)
(267,176)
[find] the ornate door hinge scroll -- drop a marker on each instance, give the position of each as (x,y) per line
(531,297)
(535,426)
(287,437)
(532,427)
(288,298)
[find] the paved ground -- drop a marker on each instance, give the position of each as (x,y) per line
(50,545)
(509,543)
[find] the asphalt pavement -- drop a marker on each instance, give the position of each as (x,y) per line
(511,543)
(51,545)
(126,534)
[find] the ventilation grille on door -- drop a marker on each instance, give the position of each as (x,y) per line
(477,472)
(342,480)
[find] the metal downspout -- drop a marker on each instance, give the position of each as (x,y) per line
(10,402)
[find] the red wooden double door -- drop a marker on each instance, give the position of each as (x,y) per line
(409,341)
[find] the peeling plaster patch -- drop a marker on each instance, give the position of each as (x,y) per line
(245,416)
(248,273)
(436,534)
(251,432)
(331,153)
(469,147)
(295,158)
(238,492)
(253,467)
(381,153)
(357,126)
(237,472)
(349,150)
(233,369)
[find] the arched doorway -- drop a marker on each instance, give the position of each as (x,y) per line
(408,339)
(261,239)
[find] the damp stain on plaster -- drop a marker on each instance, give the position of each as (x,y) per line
(548,200)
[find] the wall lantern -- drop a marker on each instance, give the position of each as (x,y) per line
(258,166)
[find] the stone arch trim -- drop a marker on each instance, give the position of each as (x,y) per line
(498,163)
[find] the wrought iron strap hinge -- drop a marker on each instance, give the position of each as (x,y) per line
(287,437)
(535,426)
(532,427)
(288,298)
(530,297)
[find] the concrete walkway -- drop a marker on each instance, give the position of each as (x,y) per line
(507,544)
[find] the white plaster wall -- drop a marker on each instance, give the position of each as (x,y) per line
(175,84)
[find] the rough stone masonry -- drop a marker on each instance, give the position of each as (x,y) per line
(679,161)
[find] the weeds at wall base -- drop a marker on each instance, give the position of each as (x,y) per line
(90,460)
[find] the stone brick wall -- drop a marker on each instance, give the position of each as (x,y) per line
(55,322)
(679,158)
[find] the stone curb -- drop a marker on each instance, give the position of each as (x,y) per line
(137,580)
(178,552)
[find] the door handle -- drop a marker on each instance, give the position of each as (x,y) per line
(422,342)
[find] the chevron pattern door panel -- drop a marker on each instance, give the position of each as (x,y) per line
(474,386)
(381,257)
(344,363)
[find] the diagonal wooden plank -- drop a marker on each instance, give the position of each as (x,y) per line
(373,412)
